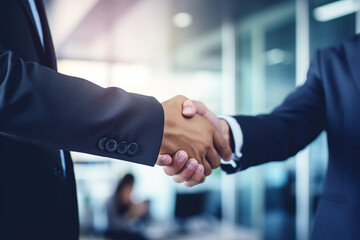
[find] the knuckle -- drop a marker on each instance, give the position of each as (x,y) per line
(208,171)
(223,145)
(197,157)
(216,164)
(180,97)
(169,171)
(178,179)
(188,184)
(206,144)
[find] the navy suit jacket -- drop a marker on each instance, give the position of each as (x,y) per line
(329,100)
(42,111)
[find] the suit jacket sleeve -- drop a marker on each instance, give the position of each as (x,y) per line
(289,128)
(42,106)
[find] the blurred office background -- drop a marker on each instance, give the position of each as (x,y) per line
(237,56)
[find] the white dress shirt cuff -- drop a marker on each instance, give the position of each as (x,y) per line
(238,140)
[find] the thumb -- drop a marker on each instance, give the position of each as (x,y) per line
(189,108)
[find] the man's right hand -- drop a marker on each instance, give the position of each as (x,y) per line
(179,166)
(196,136)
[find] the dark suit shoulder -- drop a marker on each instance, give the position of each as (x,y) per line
(343,49)
(343,58)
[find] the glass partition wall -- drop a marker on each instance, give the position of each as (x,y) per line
(265,75)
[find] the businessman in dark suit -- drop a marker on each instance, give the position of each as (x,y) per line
(44,114)
(329,100)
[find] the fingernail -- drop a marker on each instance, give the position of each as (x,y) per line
(192,165)
(165,160)
(199,169)
(187,110)
(181,157)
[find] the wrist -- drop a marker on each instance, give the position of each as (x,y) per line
(226,132)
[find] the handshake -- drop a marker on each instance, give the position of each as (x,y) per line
(193,139)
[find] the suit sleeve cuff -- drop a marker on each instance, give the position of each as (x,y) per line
(230,166)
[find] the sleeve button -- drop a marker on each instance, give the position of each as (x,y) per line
(133,149)
(111,145)
(101,143)
(122,147)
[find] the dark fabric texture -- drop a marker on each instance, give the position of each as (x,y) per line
(330,101)
(42,111)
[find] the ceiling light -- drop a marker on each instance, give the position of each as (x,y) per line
(275,56)
(335,10)
(182,20)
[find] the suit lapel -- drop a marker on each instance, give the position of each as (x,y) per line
(49,47)
(48,54)
(27,9)
(32,25)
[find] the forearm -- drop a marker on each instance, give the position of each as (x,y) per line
(39,105)
(289,128)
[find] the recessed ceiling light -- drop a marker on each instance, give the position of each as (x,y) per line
(182,20)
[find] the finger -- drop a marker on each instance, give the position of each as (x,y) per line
(164,160)
(207,167)
(187,172)
(222,146)
(196,177)
(213,158)
(203,178)
(178,162)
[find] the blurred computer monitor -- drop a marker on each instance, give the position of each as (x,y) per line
(189,205)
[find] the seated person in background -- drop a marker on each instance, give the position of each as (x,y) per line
(123,214)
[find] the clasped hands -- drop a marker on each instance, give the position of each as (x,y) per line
(193,139)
